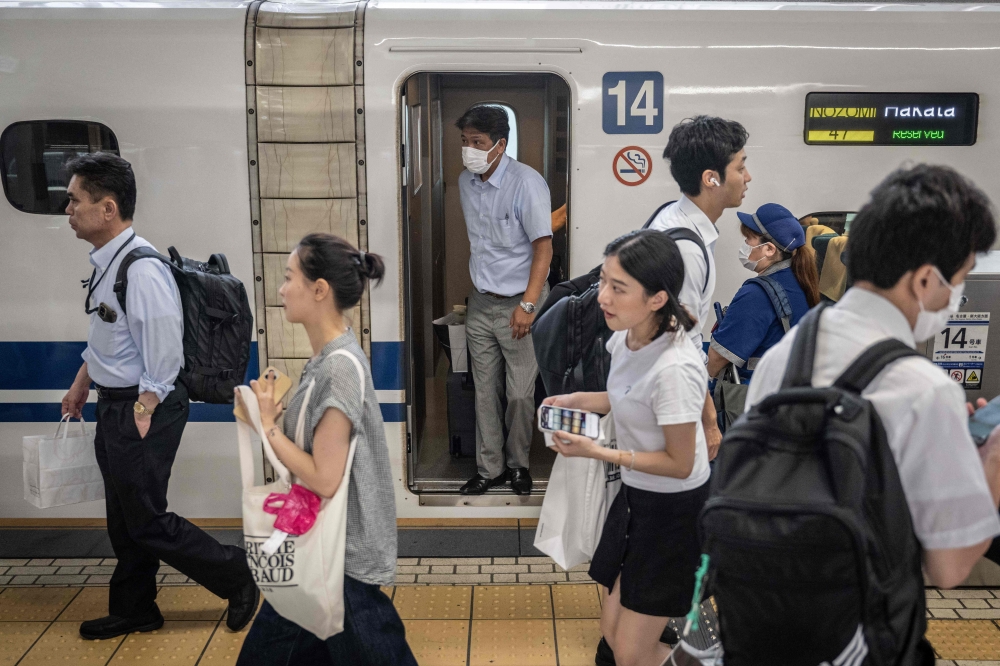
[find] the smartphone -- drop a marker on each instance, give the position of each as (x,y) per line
(573,421)
(984,420)
(282,383)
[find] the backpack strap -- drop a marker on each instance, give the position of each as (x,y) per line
(121,280)
(872,361)
(683,233)
(779,299)
(800,362)
(657,212)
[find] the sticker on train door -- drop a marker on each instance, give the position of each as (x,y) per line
(632,166)
(633,103)
(960,348)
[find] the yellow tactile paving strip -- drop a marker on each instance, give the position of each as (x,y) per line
(968,639)
(490,625)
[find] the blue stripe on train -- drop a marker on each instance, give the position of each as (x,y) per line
(47,366)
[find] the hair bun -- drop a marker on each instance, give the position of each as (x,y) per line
(370,266)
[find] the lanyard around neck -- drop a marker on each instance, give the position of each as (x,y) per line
(91,286)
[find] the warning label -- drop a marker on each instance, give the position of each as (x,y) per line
(960,348)
(632,166)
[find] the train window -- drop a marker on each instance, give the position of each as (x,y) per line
(33,154)
(512,121)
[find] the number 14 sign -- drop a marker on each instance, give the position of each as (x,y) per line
(633,103)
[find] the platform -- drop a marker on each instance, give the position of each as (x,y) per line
(457,611)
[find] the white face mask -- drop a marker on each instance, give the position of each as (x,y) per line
(745,251)
(478,161)
(929,323)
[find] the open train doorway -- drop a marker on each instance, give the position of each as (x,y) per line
(441,435)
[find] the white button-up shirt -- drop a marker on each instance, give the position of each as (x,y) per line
(923,412)
(695,295)
(144,348)
(504,216)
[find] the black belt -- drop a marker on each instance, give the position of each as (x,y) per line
(124,393)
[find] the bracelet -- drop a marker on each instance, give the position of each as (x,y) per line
(631,463)
(270,432)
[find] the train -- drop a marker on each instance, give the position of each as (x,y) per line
(250,124)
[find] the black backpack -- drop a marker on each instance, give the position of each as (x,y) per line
(569,333)
(807,527)
(218,322)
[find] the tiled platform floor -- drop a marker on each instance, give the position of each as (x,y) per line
(461,612)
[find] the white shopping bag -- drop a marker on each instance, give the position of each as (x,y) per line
(576,503)
(303,579)
(62,468)
(455,321)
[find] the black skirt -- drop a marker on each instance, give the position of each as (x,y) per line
(651,541)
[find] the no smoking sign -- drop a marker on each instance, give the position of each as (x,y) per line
(632,166)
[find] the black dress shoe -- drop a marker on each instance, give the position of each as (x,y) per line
(520,481)
(242,607)
(605,656)
(112,625)
(479,484)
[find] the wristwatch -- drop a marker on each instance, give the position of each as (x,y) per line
(527,307)
(141,409)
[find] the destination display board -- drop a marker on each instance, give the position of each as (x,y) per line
(891,119)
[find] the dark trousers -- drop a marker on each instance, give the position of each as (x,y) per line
(373,635)
(136,472)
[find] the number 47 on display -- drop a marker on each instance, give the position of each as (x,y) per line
(633,103)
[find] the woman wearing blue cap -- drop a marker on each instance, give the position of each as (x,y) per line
(766,306)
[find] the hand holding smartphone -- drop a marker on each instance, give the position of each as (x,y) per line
(282,383)
(984,420)
(573,421)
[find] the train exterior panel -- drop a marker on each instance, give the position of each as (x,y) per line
(172,82)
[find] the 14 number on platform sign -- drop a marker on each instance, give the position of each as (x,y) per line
(633,103)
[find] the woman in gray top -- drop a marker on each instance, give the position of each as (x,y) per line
(324,279)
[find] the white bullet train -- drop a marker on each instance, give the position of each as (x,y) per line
(250,124)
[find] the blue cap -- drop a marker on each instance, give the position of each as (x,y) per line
(776,224)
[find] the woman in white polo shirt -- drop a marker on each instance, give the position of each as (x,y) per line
(649,548)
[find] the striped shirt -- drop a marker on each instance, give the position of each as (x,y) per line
(371,508)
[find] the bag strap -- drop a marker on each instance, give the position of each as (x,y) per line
(657,212)
(243,430)
(800,361)
(65,420)
(871,362)
(121,280)
(778,296)
(683,233)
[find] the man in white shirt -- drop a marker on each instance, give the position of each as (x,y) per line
(708,161)
(910,250)
(508,215)
(134,360)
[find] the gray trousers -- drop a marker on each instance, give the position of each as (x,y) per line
(487,326)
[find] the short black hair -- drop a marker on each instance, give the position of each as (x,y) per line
(699,144)
(488,119)
(926,214)
(655,261)
(106,175)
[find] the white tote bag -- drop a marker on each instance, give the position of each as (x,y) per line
(576,503)
(304,579)
(60,470)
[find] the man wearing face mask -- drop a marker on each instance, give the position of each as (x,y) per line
(910,250)
(507,212)
(774,248)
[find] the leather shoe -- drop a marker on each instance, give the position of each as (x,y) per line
(604,656)
(112,625)
(242,607)
(520,481)
(479,484)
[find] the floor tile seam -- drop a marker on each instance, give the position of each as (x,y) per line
(209,642)
(472,612)
(555,637)
(45,631)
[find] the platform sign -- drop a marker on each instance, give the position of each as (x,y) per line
(632,166)
(633,103)
(960,348)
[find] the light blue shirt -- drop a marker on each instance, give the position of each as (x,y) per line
(144,348)
(504,216)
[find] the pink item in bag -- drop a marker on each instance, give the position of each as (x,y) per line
(296,511)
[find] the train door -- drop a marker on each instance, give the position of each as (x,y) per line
(441,410)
